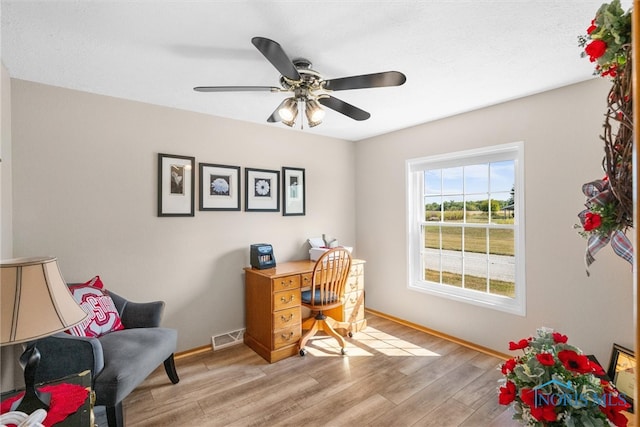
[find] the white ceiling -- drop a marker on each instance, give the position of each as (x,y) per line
(457,55)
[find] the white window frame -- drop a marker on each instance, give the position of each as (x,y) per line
(415,219)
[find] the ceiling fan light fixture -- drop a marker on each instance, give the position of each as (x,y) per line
(288,111)
(314,112)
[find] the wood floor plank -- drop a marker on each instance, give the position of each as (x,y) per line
(450,414)
(362,413)
(485,361)
(430,397)
(393,375)
(475,394)
(316,413)
(243,403)
(435,351)
(164,415)
(440,367)
(208,382)
(486,414)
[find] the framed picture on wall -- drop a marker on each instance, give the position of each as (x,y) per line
(219,187)
(176,181)
(622,372)
(261,190)
(293,191)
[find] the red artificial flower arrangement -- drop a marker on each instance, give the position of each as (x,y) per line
(592,221)
(607,39)
(554,384)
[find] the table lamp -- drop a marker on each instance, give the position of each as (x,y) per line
(34,303)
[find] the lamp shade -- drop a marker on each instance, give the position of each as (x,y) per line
(288,111)
(35,301)
(314,113)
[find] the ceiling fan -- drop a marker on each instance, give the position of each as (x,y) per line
(308,88)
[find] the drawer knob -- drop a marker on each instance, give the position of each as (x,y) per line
(285,319)
(286,284)
(287,337)
(285,301)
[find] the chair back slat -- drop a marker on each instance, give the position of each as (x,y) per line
(330,275)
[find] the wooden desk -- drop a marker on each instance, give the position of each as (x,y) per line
(273,312)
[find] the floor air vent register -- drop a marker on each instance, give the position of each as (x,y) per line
(227,339)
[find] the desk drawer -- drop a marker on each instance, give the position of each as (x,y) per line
(306,280)
(286,336)
(356,270)
(285,318)
(287,299)
(353,298)
(287,282)
(354,283)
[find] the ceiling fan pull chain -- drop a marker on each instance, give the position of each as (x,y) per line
(300,102)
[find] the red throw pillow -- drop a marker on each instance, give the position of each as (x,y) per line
(95,301)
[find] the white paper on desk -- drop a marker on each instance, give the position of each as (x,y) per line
(316,242)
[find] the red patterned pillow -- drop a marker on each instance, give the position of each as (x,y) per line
(95,301)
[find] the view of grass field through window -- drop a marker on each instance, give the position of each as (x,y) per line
(468,227)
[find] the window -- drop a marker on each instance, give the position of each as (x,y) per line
(466,226)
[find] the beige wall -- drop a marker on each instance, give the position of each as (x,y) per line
(560,131)
(85,191)
(6,214)
(84,170)
(8,354)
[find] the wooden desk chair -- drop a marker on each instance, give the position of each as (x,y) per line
(330,275)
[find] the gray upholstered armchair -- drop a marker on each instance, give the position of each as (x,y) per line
(119,361)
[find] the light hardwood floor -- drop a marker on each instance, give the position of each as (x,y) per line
(393,375)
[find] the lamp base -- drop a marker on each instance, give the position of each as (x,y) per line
(33,399)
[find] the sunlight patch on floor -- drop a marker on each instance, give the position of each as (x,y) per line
(390,345)
(364,343)
(326,346)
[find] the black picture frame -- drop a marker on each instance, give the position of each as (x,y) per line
(262,192)
(621,372)
(294,191)
(176,185)
(220,187)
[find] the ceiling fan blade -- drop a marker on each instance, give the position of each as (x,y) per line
(276,55)
(344,108)
(275,116)
(236,89)
(386,78)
